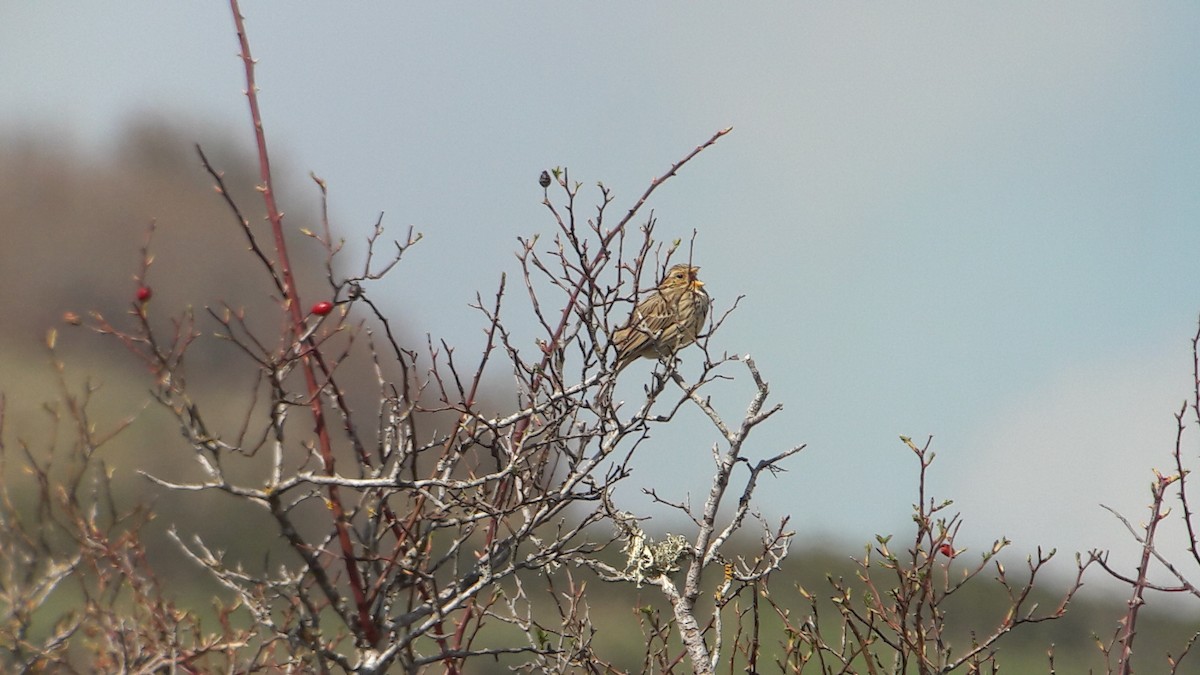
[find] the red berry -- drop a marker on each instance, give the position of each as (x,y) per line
(322,308)
(946,550)
(144,293)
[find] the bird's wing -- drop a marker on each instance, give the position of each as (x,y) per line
(651,321)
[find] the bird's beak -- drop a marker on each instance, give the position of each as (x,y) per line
(692,276)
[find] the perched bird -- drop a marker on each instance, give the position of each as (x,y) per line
(667,321)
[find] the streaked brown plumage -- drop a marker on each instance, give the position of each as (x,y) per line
(667,321)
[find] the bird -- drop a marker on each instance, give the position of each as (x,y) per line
(667,321)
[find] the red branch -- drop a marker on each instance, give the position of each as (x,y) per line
(292,303)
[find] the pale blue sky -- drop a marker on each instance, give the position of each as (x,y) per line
(973,220)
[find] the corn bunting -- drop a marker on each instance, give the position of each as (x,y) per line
(667,321)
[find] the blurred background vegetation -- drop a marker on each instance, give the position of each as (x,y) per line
(73,224)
